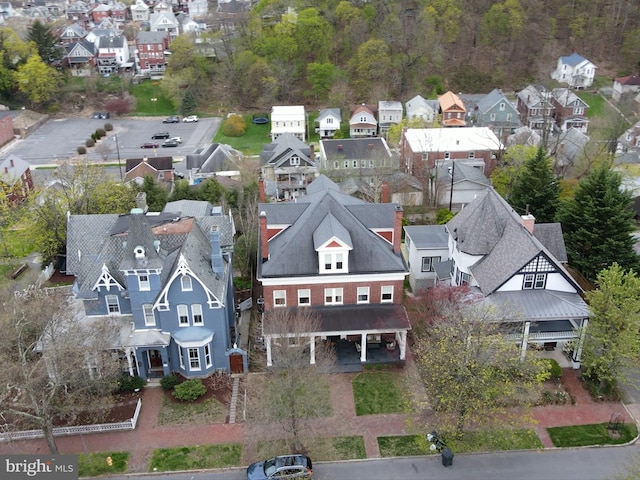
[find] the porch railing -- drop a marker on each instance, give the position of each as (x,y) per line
(76,430)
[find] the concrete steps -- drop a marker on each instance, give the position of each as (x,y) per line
(234,400)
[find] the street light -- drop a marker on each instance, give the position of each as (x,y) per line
(115,139)
(154,100)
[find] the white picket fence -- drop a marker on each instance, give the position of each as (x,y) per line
(79,430)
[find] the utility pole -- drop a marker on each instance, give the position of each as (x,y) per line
(115,137)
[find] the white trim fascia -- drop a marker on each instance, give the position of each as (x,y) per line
(337,333)
(281,227)
(106,280)
(339,279)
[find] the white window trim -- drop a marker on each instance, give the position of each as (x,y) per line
(304,293)
(185,310)
(363,291)
(144,285)
(277,295)
(186,284)
(207,356)
(334,293)
(148,314)
(385,290)
(197,358)
(181,355)
(196,309)
(117,304)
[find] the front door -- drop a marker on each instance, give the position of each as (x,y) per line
(155,363)
(236,363)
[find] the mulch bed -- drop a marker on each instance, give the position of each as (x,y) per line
(218,387)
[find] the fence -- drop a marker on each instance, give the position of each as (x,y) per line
(79,430)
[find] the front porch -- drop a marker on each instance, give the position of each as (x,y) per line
(348,357)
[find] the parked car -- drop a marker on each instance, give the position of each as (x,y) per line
(190,119)
(177,139)
(170,143)
(160,135)
(171,119)
(282,467)
(101,115)
(149,145)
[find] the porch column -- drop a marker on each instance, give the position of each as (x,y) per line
(164,354)
(525,341)
(312,350)
(575,361)
(363,347)
(267,345)
(402,343)
(127,352)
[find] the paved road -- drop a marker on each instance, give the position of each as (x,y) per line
(58,139)
(565,464)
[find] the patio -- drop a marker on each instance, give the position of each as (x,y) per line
(348,356)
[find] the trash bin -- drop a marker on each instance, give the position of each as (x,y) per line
(447,457)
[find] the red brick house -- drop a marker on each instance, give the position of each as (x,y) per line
(15,178)
(6,129)
(150,51)
(452,110)
(340,257)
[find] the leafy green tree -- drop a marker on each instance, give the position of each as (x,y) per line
(156,195)
(313,34)
(612,338)
(38,81)
(597,224)
(370,66)
(504,175)
(535,189)
(320,76)
(46,41)
(189,104)
(447,15)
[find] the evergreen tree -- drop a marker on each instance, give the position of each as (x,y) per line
(156,195)
(189,104)
(535,189)
(598,223)
(46,42)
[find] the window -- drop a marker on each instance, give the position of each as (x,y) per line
(181,357)
(185,282)
(327,261)
(149,319)
(465,278)
(280,298)
(113,305)
(196,314)
(304,297)
(295,160)
(371,164)
(363,294)
(578,111)
(354,163)
(472,154)
(194,359)
(541,280)
(509,116)
(183,316)
(336,164)
(143,283)
(386,294)
(207,356)
(447,155)
(492,117)
(338,261)
(346,164)
(363,163)
(428,263)
(333,296)
(502,106)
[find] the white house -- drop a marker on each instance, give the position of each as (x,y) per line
(423,109)
(164,22)
(574,70)
(424,247)
(288,119)
(622,85)
(139,11)
(328,122)
(362,123)
(455,184)
(389,113)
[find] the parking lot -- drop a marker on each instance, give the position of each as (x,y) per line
(58,139)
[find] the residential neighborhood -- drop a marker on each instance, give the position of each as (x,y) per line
(272,237)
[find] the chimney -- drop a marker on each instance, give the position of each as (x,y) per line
(397,229)
(141,202)
(529,222)
(261,189)
(217,265)
(264,240)
(11,162)
(385,192)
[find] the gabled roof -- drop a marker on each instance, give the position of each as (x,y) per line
(573,59)
(15,168)
(570,144)
(450,101)
(158,163)
(355,148)
(492,99)
(328,112)
(489,228)
(362,109)
(144,38)
(418,105)
(215,157)
(75,30)
(282,148)
(533,95)
(292,252)
(461,173)
(565,96)
(631,80)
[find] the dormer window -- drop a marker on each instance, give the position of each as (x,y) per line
(143,282)
(185,283)
(334,262)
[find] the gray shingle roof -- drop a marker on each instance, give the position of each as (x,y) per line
(428,236)
(282,148)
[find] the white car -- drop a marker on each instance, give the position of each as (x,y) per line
(190,119)
(176,139)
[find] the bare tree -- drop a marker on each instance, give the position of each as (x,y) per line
(295,389)
(54,364)
(104,149)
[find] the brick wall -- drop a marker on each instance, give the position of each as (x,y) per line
(6,130)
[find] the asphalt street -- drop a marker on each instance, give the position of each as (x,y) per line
(594,463)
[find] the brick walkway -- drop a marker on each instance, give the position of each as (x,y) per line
(148,435)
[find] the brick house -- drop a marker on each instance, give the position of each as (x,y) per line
(569,110)
(150,51)
(15,178)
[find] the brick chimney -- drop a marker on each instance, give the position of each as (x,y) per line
(261,189)
(384,197)
(529,222)
(397,229)
(264,239)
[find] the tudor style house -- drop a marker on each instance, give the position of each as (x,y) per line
(362,122)
(328,122)
(340,257)
(452,110)
(289,119)
(287,167)
(167,278)
(517,267)
(574,70)
(569,110)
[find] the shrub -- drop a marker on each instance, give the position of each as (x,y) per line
(119,105)
(189,390)
(81,150)
(100,132)
(443,216)
(169,382)
(554,369)
(108,127)
(234,126)
(128,383)
(90,142)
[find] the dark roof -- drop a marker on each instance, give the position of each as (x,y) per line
(355,148)
(159,163)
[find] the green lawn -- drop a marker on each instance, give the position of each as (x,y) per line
(252,141)
(144,92)
(409,445)
(595,434)
(196,457)
(206,411)
(378,393)
(96,464)
(16,242)
(595,101)
(319,449)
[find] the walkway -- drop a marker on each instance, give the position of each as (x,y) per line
(148,435)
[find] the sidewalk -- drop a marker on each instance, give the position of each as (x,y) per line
(148,435)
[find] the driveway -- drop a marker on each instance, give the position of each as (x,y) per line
(58,139)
